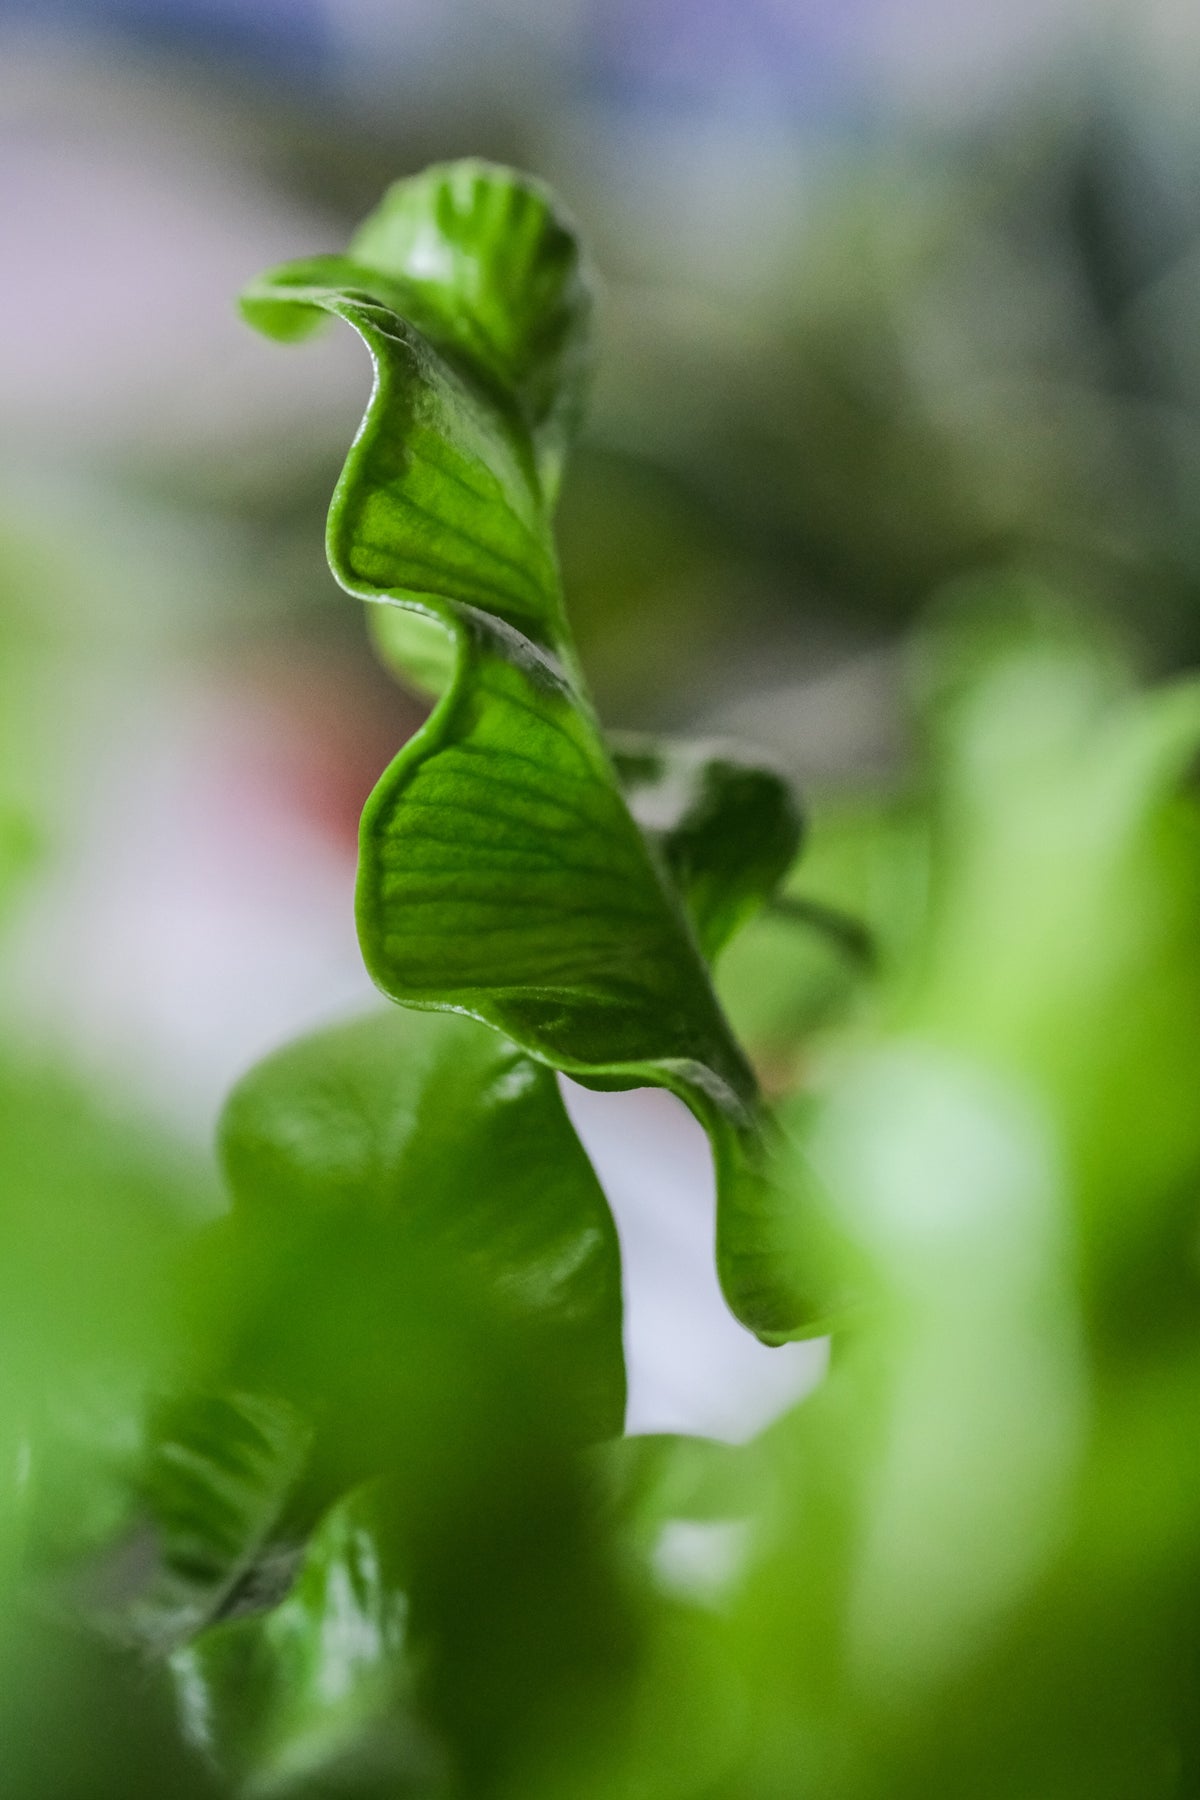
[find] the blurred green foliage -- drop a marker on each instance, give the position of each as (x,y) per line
(341,1466)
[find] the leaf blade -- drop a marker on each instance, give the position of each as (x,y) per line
(727,825)
(433,1138)
(556,922)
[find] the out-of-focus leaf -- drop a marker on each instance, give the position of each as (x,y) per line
(321,1689)
(419,1280)
(18,851)
(437,1138)
(414,647)
(383,1172)
(785,982)
(684,1508)
(983,1572)
(80,1719)
(475,1611)
(425,1266)
(501,873)
(218,1472)
(726,827)
(95,1209)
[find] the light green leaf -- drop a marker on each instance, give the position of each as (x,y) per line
(416,648)
(18,851)
(493,277)
(487,268)
(94,1207)
(501,873)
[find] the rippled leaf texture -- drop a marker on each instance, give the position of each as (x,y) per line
(501,873)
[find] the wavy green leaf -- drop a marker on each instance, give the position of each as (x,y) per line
(501,873)
(487,268)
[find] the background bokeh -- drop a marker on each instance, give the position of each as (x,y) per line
(891,293)
(897,314)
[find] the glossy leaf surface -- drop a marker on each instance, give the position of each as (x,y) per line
(467,1633)
(416,1232)
(425,1136)
(320,1687)
(501,873)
